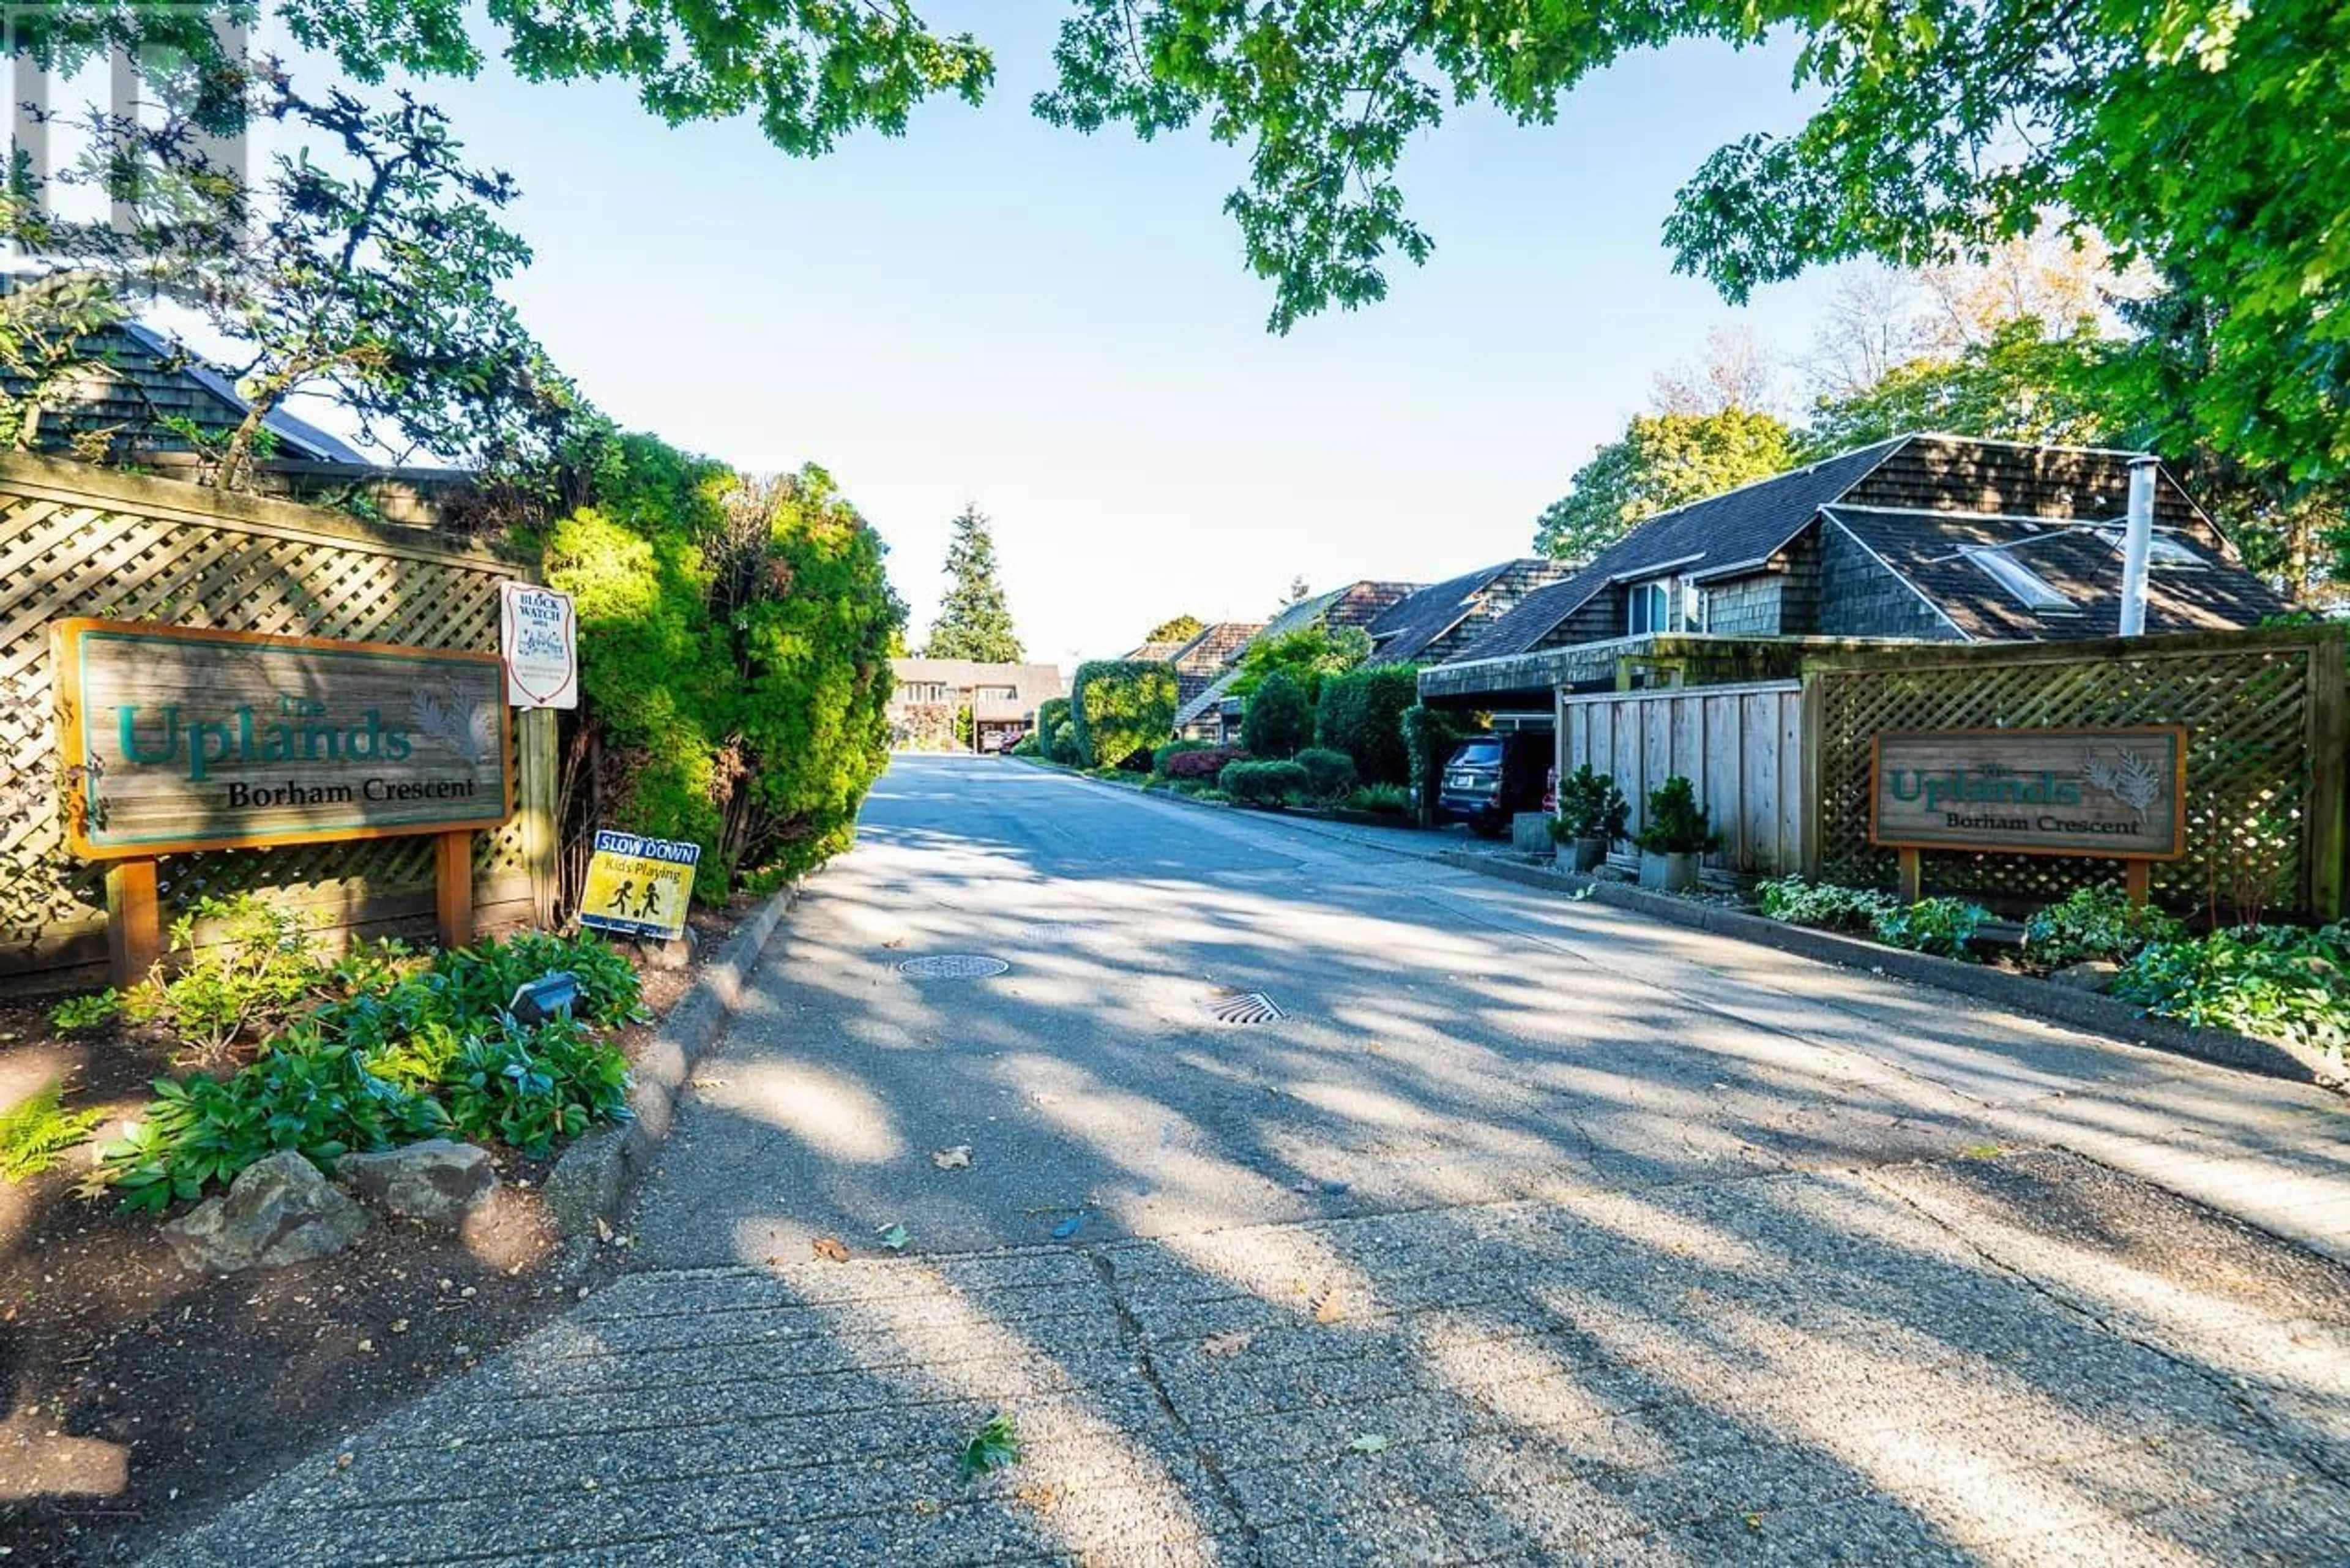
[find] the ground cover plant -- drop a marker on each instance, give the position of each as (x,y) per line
(2094,924)
(1943,926)
(394,1048)
(2272,983)
(1379,800)
(1824,905)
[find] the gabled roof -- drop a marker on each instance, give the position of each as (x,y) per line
(1157,652)
(2083,563)
(1737,528)
(1357,604)
(1408,627)
(1215,647)
(297,438)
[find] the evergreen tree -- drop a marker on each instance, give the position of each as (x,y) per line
(973,620)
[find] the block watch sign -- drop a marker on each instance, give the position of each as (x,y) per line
(538,638)
(181,738)
(2120,793)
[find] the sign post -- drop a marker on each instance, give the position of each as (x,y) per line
(2116,794)
(178,738)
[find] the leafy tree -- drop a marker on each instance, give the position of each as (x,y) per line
(973,620)
(809,71)
(1661,462)
(1280,717)
(378,284)
(2019,385)
(1306,655)
(1182,628)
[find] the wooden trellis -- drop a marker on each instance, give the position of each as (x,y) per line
(2263,711)
(79,541)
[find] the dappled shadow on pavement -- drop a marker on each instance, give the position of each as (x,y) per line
(1529,1234)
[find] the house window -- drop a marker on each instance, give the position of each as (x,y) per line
(1667,605)
(2030,588)
(996,693)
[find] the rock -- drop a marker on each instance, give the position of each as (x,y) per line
(678,954)
(277,1212)
(2095,975)
(437,1180)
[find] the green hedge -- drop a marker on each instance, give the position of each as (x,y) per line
(1361,713)
(1429,737)
(1264,784)
(734,667)
(1121,709)
(1051,715)
(1328,774)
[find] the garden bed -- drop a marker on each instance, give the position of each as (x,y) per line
(142,1396)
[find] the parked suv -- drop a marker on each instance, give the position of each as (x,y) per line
(1491,778)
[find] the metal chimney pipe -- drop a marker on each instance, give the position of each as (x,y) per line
(2138,544)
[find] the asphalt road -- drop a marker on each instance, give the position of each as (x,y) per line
(1529,1231)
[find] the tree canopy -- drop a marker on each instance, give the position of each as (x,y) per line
(973,620)
(1661,462)
(1182,628)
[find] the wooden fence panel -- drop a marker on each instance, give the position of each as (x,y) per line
(82,541)
(1739,745)
(2263,713)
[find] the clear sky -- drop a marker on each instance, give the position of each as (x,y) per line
(1060,328)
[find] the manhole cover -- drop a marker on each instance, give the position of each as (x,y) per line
(952,966)
(1243,1007)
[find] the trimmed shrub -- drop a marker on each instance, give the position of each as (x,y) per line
(1158,759)
(1328,774)
(1206,764)
(1675,823)
(1121,709)
(1360,713)
(1279,718)
(1064,748)
(1274,784)
(1051,714)
(1591,807)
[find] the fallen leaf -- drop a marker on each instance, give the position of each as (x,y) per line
(1370,1443)
(893,1238)
(894,943)
(1326,1308)
(1225,1343)
(709,1083)
(955,1158)
(829,1247)
(1067,1228)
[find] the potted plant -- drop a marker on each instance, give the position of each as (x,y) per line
(1675,833)
(1591,817)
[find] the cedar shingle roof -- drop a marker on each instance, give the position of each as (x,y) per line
(1356,605)
(2082,562)
(1738,527)
(1409,626)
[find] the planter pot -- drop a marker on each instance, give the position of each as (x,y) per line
(1668,873)
(1589,853)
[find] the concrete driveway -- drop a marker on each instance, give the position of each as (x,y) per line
(1530,1230)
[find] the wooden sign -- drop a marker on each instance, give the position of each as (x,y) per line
(639,886)
(177,738)
(2116,794)
(538,638)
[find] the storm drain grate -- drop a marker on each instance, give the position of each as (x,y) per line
(1243,1007)
(952,966)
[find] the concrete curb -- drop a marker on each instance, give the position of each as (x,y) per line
(2018,993)
(594,1178)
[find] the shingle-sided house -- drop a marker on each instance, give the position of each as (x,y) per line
(1003,699)
(1199,714)
(1921,537)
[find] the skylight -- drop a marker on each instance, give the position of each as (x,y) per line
(2162,550)
(2030,588)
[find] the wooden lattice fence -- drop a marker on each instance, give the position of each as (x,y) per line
(2263,711)
(78,541)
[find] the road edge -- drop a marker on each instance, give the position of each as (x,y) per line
(595,1178)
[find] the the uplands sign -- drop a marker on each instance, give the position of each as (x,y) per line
(2113,793)
(177,738)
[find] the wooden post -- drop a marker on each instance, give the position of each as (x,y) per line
(536,792)
(2138,881)
(1913,876)
(2328,740)
(134,921)
(452,888)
